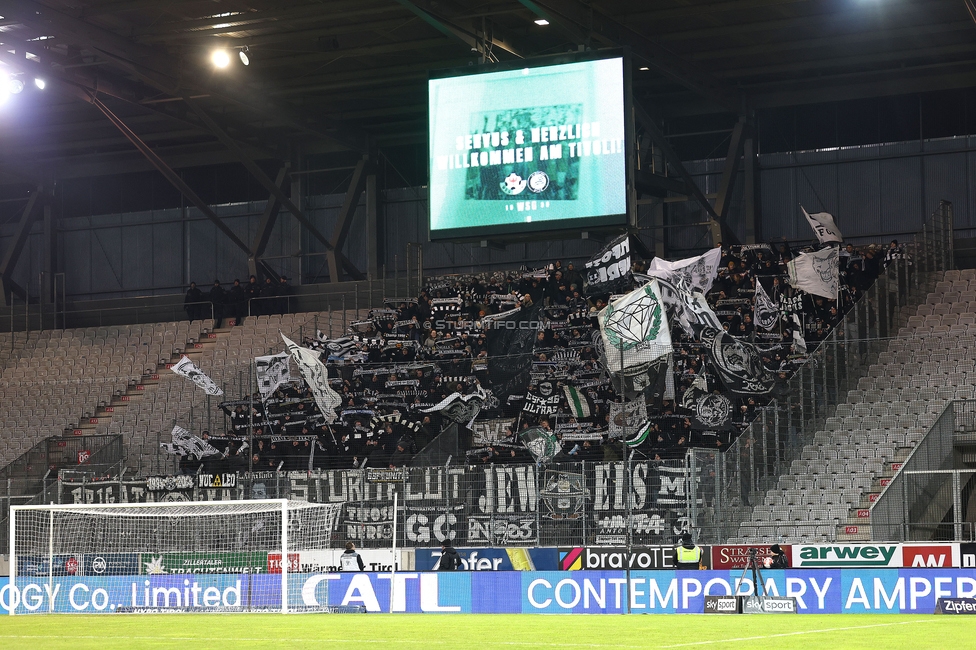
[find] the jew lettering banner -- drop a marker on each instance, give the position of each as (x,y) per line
(317,377)
(186,368)
(823,226)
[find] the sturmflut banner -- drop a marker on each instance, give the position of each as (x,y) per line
(830,591)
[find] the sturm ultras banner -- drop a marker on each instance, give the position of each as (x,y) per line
(832,591)
(515,149)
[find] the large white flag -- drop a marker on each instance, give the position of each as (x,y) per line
(635,329)
(823,226)
(817,273)
(316,376)
(185,444)
(694,272)
(186,368)
(272,371)
(765,313)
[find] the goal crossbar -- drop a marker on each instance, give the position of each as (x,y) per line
(110,548)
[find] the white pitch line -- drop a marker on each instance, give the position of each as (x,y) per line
(785,634)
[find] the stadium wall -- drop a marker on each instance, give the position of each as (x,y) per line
(874,191)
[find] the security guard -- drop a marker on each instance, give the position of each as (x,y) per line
(351,560)
(688,555)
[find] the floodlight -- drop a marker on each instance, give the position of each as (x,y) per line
(542,22)
(220,58)
(243,55)
(39,83)
(16,86)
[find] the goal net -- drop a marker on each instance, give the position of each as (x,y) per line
(166,557)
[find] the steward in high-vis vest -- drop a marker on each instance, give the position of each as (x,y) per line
(350,560)
(687,555)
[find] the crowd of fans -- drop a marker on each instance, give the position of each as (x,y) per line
(394,368)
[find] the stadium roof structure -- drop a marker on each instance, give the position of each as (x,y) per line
(350,75)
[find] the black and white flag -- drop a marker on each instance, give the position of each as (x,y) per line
(799,343)
(626,418)
(609,270)
(710,411)
(823,226)
(544,399)
(316,376)
(272,371)
(817,273)
(459,408)
(765,312)
(693,273)
(185,444)
(736,363)
(186,368)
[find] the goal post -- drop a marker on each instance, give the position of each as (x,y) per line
(215,556)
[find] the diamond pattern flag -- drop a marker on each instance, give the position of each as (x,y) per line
(635,329)
(316,376)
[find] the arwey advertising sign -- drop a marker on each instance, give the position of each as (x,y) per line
(847,556)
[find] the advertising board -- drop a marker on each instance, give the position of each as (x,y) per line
(493,559)
(823,591)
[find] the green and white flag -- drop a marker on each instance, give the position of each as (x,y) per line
(634,329)
(579,403)
(541,444)
(639,438)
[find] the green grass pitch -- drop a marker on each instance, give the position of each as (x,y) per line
(359,631)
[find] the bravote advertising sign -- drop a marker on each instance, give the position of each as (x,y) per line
(530,148)
(816,591)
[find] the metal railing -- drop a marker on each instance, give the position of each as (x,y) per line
(766,449)
(927,488)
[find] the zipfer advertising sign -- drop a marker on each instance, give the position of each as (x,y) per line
(822,591)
